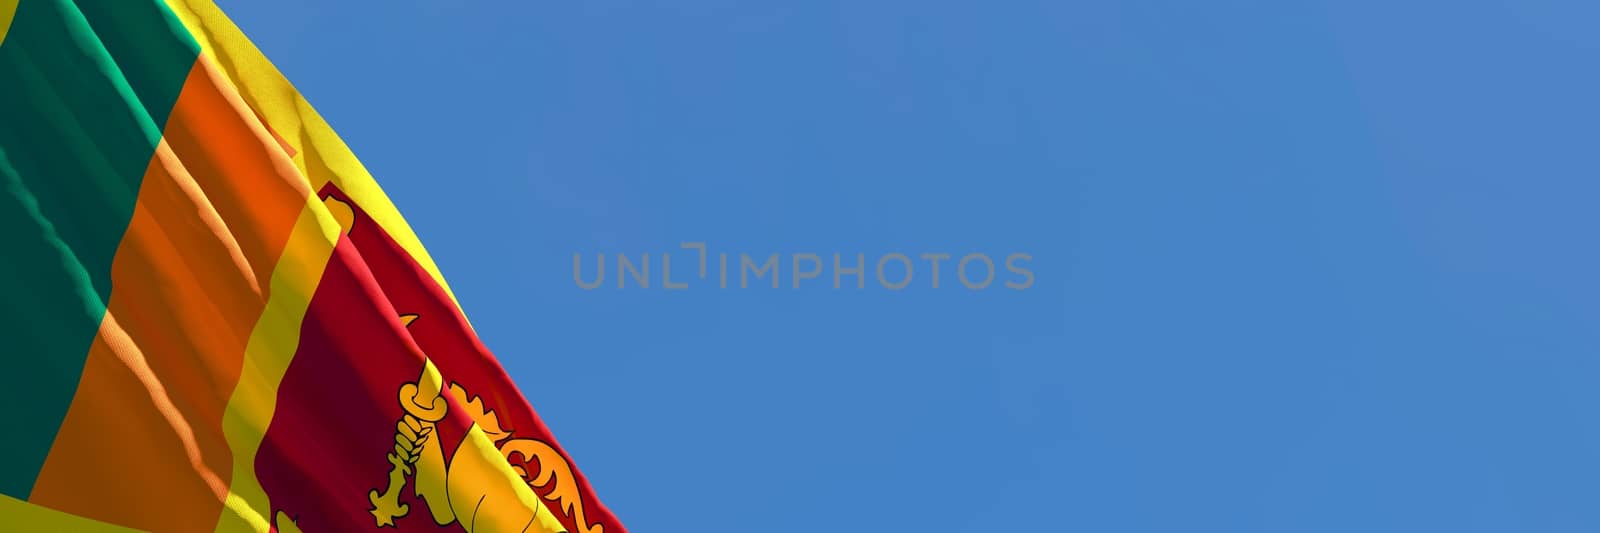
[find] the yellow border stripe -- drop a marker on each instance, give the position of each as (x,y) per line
(320,154)
(272,344)
(18,515)
(8,9)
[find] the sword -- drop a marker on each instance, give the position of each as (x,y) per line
(424,405)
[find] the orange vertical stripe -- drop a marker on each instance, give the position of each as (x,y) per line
(190,281)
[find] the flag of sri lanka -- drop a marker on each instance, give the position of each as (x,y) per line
(215,320)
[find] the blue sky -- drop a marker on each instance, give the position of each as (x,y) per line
(1300,266)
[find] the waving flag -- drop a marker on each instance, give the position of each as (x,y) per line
(216,320)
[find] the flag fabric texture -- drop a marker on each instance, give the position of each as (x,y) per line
(215,320)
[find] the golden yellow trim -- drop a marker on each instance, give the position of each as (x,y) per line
(18,515)
(8,9)
(266,358)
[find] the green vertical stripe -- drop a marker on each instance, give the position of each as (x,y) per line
(85,89)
